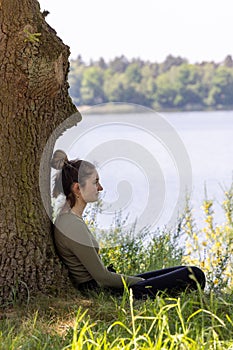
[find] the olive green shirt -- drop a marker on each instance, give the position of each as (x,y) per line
(79,251)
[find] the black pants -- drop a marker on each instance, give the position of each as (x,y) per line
(171,280)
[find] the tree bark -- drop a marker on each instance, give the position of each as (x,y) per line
(34,101)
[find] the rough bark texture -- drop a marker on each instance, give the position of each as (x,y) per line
(34,100)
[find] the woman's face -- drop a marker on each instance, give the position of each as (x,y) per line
(91,189)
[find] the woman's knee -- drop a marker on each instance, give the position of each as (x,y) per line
(198,275)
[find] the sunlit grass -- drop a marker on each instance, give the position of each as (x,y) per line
(191,321)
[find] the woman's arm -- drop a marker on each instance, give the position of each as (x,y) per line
(94,265)
(78,239)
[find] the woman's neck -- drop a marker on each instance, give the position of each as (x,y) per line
(78,209)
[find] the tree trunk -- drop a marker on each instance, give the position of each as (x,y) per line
(34,100)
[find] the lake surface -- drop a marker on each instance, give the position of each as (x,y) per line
(147,162)
(208,138)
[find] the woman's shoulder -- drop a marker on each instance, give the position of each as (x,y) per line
(69,217)
(73,227)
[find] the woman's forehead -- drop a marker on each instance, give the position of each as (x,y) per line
(95,174)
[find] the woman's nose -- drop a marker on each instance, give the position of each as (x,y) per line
(100,188)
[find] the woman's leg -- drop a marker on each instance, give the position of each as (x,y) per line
(156,273)
(171,281)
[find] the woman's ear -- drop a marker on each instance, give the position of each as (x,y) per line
(75,188)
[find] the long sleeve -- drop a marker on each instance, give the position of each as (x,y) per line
(79,251)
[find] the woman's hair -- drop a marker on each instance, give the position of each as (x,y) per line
(70,171)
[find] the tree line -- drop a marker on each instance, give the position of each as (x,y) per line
(172,84)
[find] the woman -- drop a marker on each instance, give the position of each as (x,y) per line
(78,180)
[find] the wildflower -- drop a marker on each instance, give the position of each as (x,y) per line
(195,237)
(202,263)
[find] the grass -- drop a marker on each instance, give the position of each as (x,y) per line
(71,321)
(196,320)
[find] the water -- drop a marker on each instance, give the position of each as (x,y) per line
(208,138)
(146,162)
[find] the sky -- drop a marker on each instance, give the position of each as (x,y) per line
(198,30)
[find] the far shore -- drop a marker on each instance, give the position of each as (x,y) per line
(112,108)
